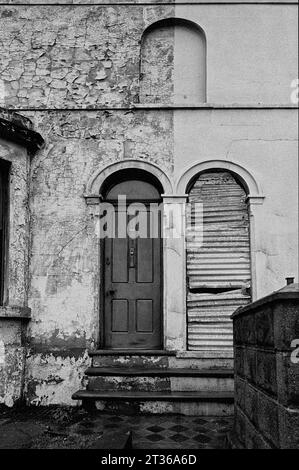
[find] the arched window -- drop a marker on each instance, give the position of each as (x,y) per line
(173,63)
(218,262)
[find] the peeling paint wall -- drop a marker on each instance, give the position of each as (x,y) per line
(65,271)
(72,57)
(60,64)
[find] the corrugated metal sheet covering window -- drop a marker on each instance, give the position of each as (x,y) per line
(218,264)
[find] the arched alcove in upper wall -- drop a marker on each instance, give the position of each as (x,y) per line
(173,63)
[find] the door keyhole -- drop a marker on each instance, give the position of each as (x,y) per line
(132,258)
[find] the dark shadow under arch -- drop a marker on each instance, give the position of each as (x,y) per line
(237,177)
(123,179)
(172,22)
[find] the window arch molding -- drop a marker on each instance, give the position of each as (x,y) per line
(98,178)
(172,21)
(246,179)
(253,190)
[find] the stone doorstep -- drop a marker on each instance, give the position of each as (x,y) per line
(156,359)
(163,379)
(226,397)
(131,352)
(164,403)
(168,372)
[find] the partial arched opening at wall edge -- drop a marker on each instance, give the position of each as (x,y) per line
(190,88)
(172,21)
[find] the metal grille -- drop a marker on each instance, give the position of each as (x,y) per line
(218,264)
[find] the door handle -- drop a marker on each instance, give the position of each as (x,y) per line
(132,257)
(111,292)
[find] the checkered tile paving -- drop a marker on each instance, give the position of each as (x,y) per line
(169,431)
(71,428)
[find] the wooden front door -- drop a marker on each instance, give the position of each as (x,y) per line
(132,289)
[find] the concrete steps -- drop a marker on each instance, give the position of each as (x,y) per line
(149,382)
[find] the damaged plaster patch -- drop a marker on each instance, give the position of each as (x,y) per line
(53,379)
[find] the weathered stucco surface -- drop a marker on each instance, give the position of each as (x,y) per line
(265,142)
(59,66)
(72,57)
(86,56)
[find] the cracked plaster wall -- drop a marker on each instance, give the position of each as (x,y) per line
(87,56)
(65,271)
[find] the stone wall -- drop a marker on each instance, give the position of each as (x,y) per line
(267,372)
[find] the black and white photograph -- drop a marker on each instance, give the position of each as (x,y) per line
(149,296)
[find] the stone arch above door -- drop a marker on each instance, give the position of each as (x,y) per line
(95,183)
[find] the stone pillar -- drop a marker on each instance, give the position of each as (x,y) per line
(174,259)
(254,204)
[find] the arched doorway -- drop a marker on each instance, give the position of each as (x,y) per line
(132,268)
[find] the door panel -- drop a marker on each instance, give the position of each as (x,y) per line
(145,258)
(120,315)
(119,261)
(133,292)
(144,315)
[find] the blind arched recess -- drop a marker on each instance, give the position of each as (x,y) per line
(218,265)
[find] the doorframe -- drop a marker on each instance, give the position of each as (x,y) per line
(93,198)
